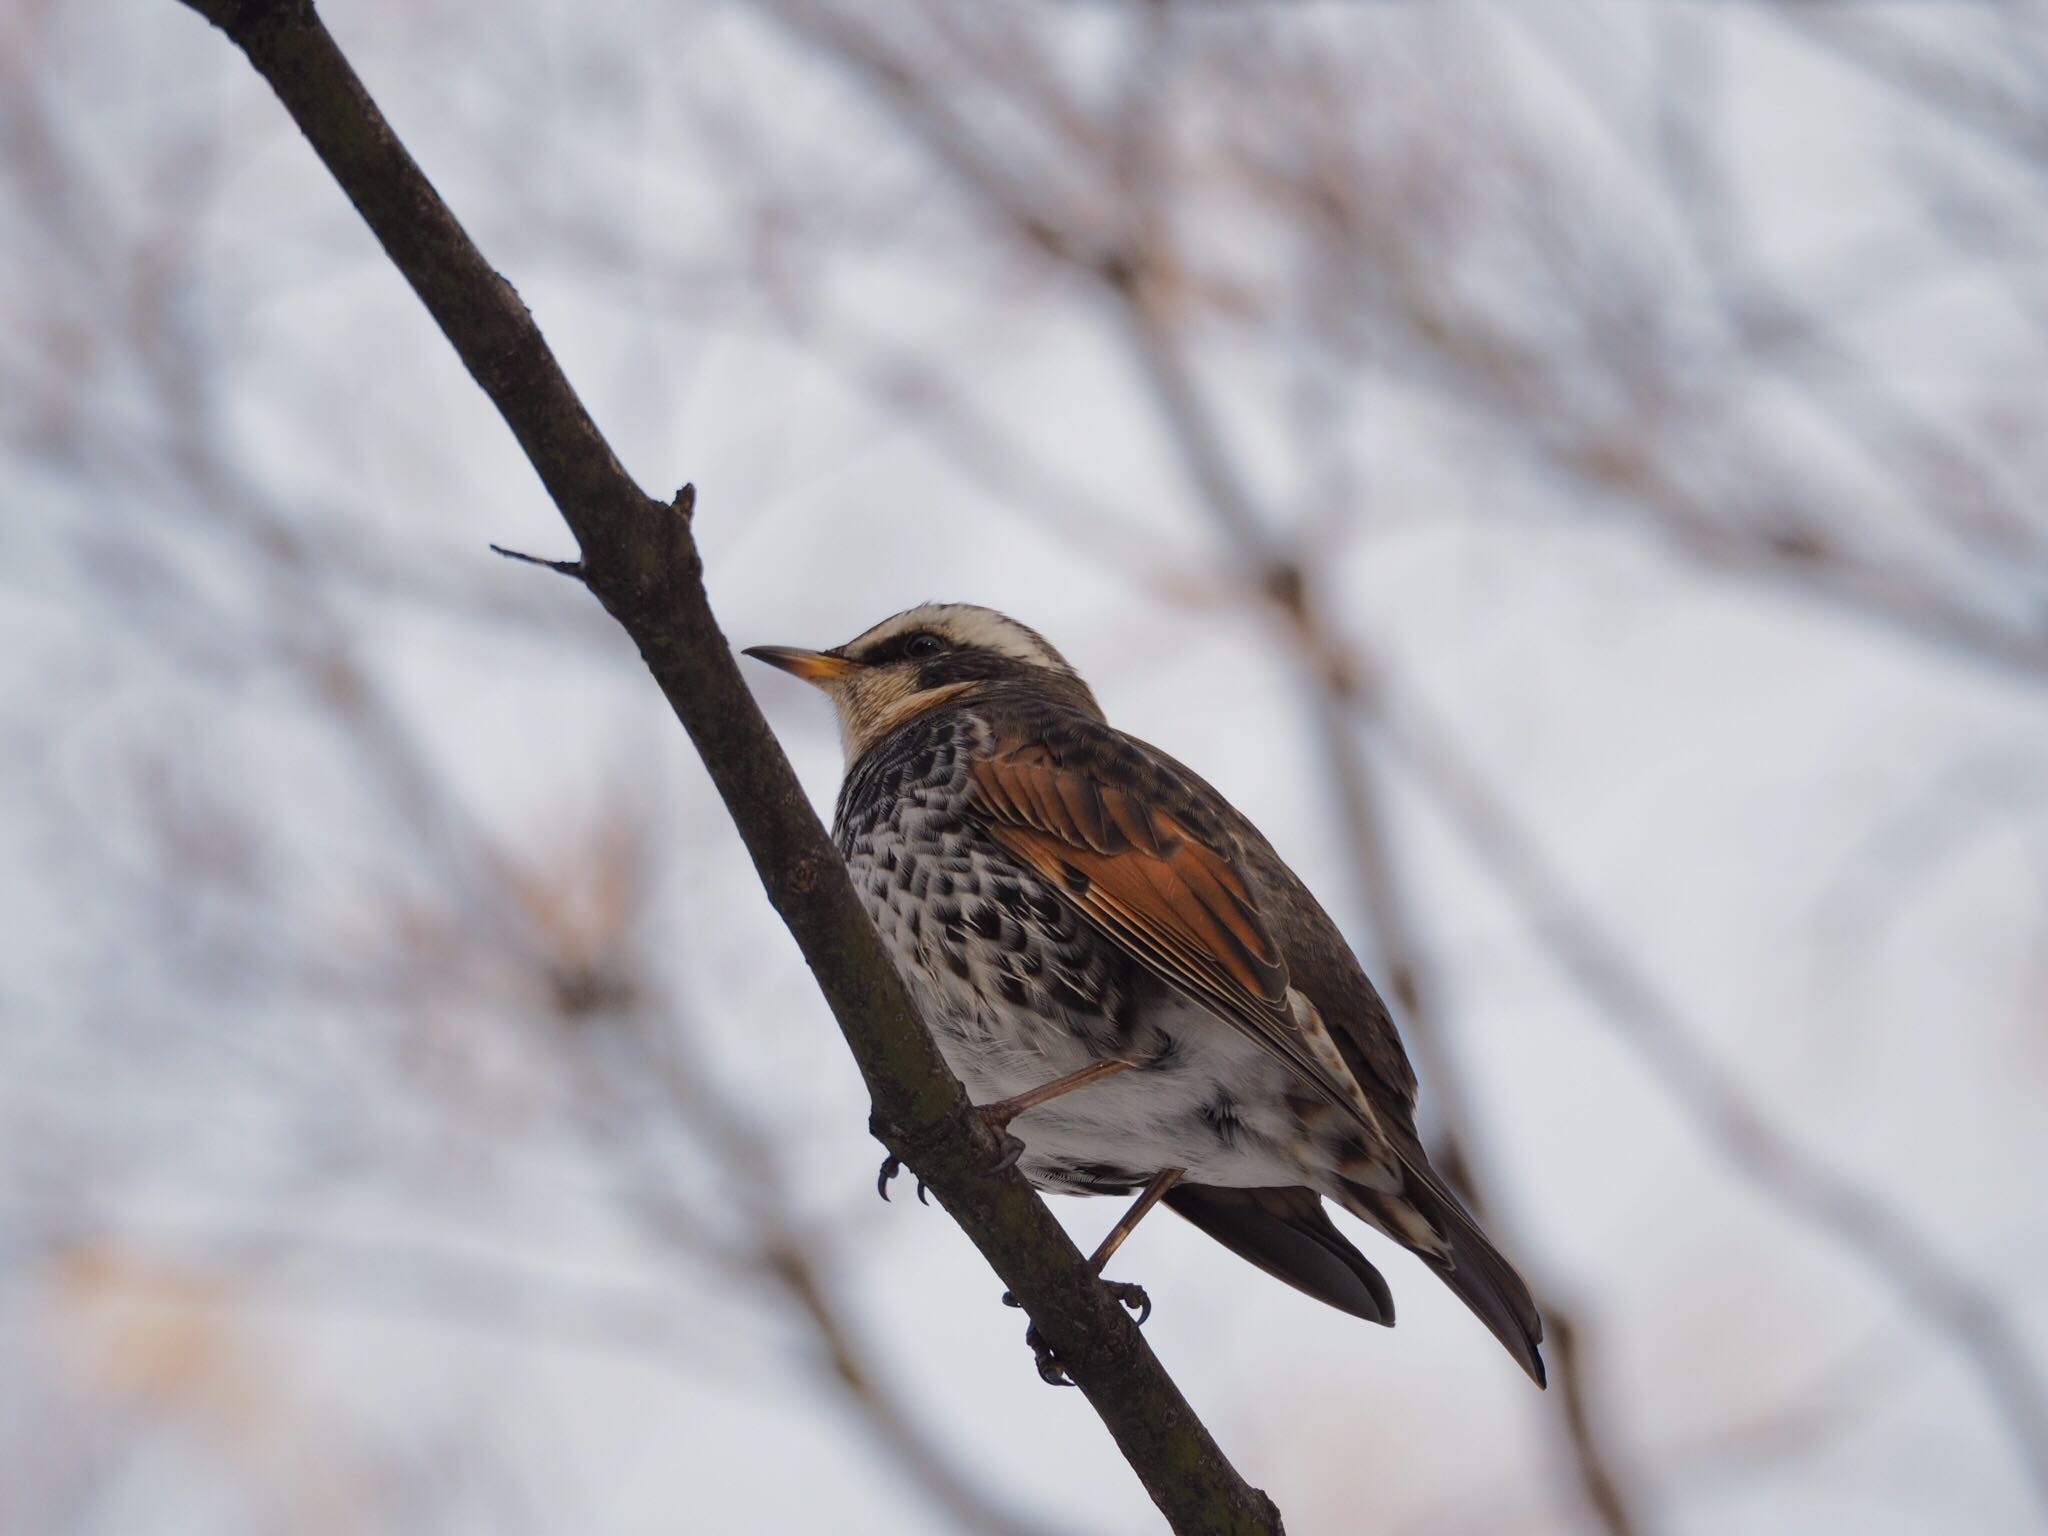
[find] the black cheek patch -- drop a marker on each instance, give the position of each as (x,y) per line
(967,665)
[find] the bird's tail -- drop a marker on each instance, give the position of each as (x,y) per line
(1288,1234)
(1431,1223)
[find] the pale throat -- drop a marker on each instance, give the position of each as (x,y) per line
(870,707)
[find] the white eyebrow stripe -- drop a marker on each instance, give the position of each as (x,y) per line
(966,624)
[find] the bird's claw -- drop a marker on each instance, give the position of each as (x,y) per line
(891,1166)
(1050,1371)
(1132,1296)
(1013,1149)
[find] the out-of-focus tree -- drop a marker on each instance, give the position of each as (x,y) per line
(1600,455)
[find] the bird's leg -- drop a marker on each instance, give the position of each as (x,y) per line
(1003,1111)
(1148,1197)
(997,1116)
(1133,1296)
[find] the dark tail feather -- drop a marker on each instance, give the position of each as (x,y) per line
(1287,1233)
(1488,1284)
(1471,1266)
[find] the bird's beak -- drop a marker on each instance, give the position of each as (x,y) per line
(820,667)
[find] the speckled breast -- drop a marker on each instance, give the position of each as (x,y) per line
(1010,979)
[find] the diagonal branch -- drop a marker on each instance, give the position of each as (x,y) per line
(639,559)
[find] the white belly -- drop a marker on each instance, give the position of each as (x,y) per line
(1212,1103)
(1014,1006)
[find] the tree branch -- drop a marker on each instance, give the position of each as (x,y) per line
(640,560)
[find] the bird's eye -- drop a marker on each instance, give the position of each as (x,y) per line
(919,646)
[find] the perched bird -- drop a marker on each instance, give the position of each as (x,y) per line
(1124,973)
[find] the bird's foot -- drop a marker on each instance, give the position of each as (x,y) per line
(1050,1371)
(1012,1150)
(891,1166)
(1132,1296)
(997,1121)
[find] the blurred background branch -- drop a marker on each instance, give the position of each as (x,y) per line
(1575,474)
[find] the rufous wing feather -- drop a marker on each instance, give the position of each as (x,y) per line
(1124,849)
(1137,869)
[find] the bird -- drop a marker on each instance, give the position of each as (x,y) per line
(1131,984)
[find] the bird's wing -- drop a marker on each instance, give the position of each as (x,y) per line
(1320,963)
(1141,852)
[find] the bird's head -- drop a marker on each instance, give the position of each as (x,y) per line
(922,658)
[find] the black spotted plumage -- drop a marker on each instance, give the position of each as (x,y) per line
(1060,895)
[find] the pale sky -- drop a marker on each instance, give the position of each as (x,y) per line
(1823,838)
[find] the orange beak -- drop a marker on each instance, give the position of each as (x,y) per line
(819,667)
